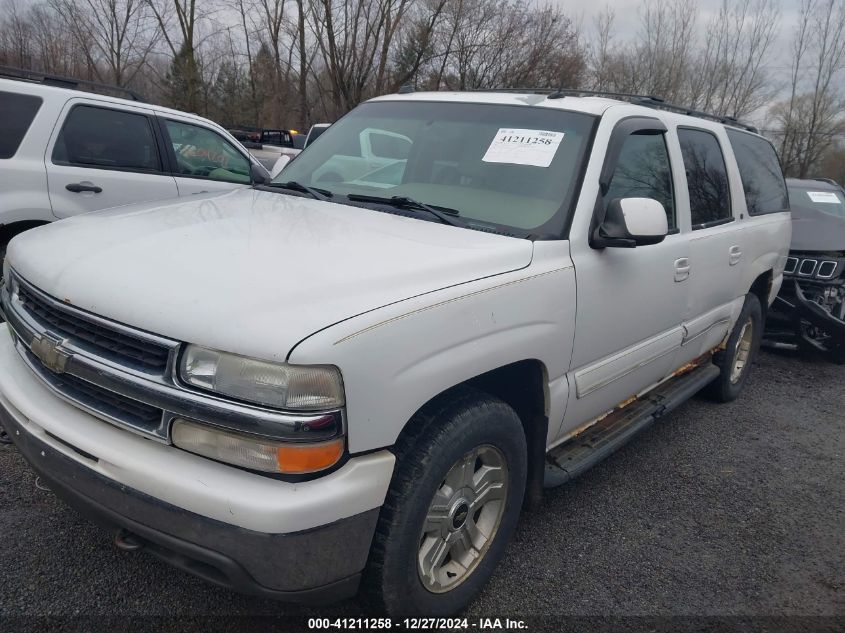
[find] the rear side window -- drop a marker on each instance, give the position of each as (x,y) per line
(107,139)
(759,168)
(643,171)
(18,111)
(707,178)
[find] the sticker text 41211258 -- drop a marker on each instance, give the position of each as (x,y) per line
(523,147)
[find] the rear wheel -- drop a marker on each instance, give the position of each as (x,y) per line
(452,506)
(739,354)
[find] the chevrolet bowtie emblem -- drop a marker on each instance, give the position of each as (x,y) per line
(49,351)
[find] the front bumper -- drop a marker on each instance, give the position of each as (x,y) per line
(315,566)
(791,305)
(304,541)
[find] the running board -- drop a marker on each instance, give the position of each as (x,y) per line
(580,453)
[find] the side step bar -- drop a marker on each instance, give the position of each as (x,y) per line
(585,450)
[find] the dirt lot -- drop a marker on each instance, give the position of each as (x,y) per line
(717,510)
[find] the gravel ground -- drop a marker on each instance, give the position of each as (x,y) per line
(717,510)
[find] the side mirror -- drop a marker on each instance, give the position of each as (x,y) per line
(631,222)
(279,165)
(258,175)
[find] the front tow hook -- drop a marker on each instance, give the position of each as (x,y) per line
(125,541)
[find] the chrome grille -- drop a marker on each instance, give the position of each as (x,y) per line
(125,376)
(117,346)
(813,268)
(826,270)
(791,265)
(807,267)
(108,404)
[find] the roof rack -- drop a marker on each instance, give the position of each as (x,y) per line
(649,101)
(652,101)
(9,72)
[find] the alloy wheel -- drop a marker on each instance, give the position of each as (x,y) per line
(462,519)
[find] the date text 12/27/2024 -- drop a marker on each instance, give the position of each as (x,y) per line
(417,624)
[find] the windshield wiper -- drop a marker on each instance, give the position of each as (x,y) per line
(404,202)
(314,192)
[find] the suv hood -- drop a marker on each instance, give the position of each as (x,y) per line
(814,230)
(249,271)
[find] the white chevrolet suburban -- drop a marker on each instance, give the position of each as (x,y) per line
(323,383)
(65,151)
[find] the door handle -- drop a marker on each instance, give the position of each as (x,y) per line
(735,254)
(79,187)
(682,268)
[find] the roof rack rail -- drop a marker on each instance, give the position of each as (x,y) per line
(20,74)
(649,101)
(652,101)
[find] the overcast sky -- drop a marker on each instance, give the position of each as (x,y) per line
(627,11)
(628,20)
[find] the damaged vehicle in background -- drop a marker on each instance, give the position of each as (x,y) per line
(809,312)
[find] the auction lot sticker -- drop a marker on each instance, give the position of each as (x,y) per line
(523,147)
(828,197)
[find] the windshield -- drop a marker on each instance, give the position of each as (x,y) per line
(500,166)
(828,200)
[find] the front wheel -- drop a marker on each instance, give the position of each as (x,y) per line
(739,354)
(452,506)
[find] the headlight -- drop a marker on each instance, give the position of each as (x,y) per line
(278,385)
(255,452)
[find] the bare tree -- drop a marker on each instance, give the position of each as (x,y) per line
(600,55)
(811,119)
(354,37)
(16,37)
(658,61)
(276,32)
(730,77)
(184,81)
(116,36)
(723,72)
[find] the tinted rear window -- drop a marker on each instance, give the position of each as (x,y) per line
(107,139)
(18,113)
(762,178)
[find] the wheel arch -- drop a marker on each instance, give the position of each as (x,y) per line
(762,288)
(10,230)
(524,386)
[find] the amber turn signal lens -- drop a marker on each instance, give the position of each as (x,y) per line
(308,458)
(255,452)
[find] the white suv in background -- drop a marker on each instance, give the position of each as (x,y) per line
(65,152)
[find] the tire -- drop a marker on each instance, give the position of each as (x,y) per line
(468,427)
(741,349)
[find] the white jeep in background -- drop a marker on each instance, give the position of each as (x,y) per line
(305,387)
(64,152)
